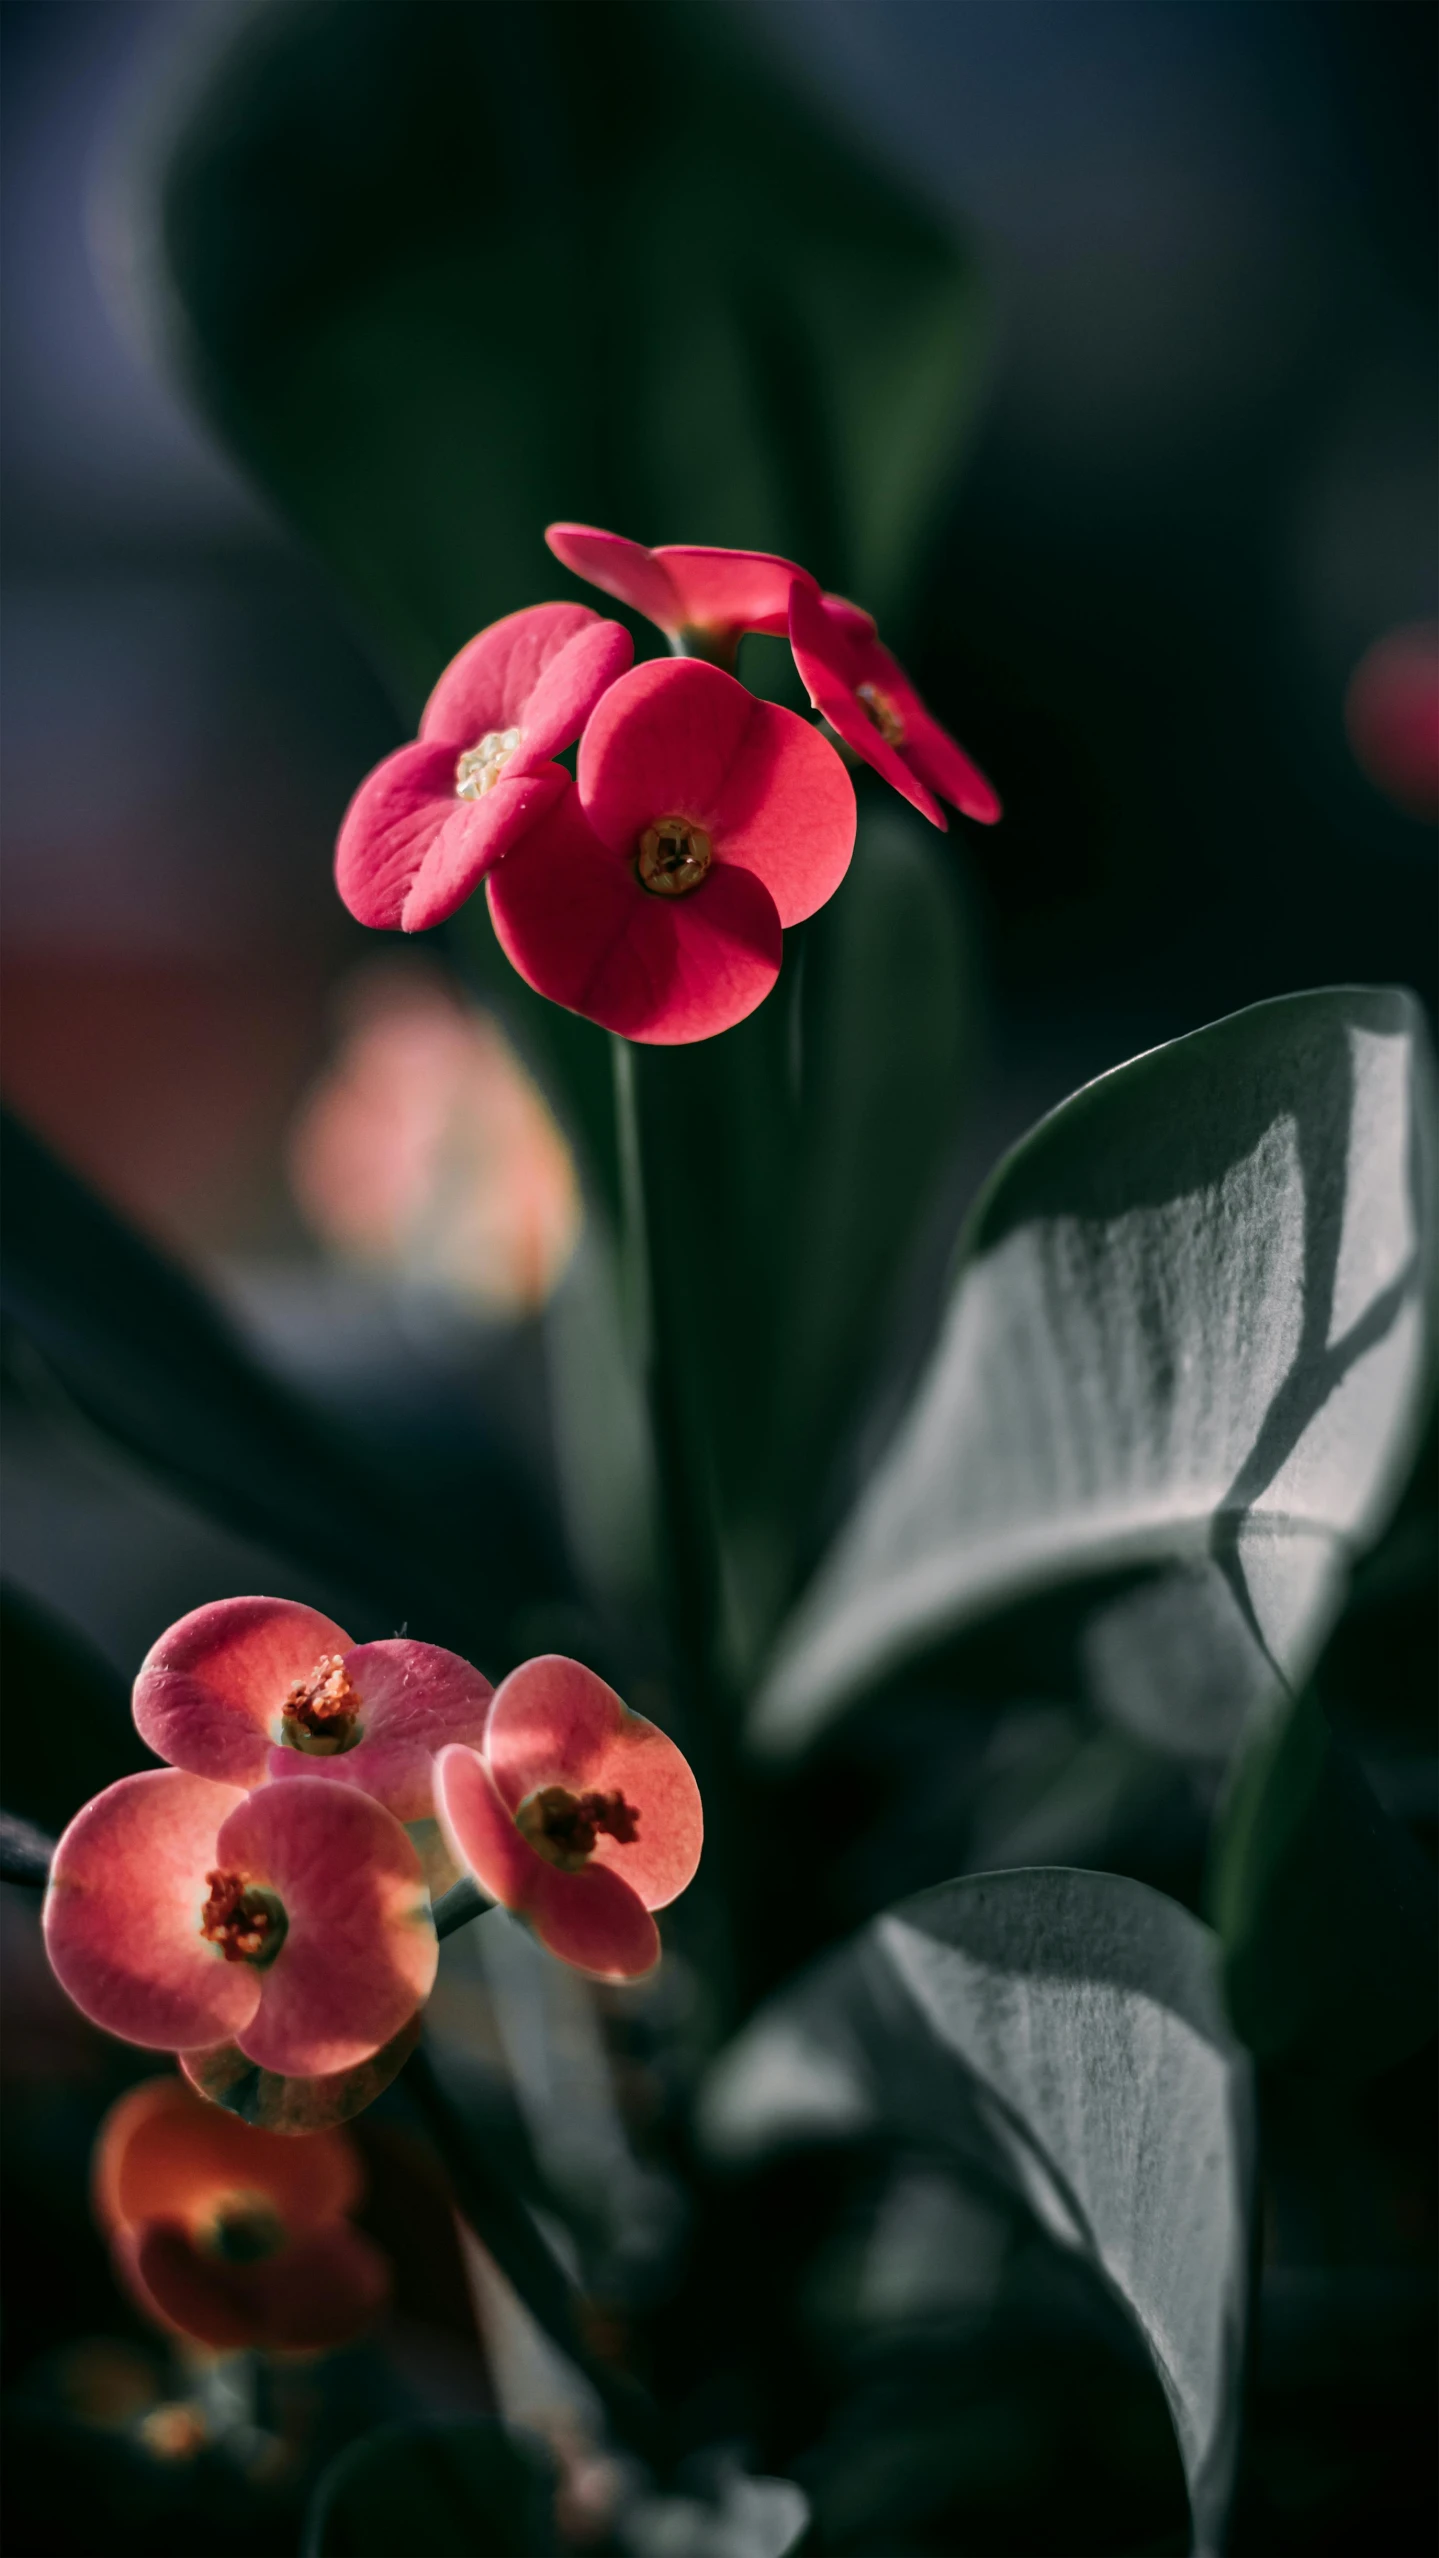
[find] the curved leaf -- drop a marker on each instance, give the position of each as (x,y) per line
(1189,1329)
(1064,2032)
(149,1360)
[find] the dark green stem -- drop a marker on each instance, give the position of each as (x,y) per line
(685,1525)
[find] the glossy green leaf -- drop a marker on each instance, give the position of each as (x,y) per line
(1189,1338)
(1064,2033)
(1325,1907)
(443,274)
(787,1167)
(444,2490)
(138,1350)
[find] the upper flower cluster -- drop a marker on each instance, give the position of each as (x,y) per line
(651,892)
(262,1892)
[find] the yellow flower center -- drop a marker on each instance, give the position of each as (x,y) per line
(882,711)
(480,767)
(673,857)
(321,1714)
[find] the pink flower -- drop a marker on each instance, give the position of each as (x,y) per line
(431,820)
(1391,711)
(232,2236)
(870,702)
(651,897)
(294,1922)
(245,1689)
(580,1815)
(703,597)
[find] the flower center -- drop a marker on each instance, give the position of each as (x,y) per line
(480,767)
(247,1923)
(882,711)
(673,857)
(562,1827)
(321,1714)
(245,2230)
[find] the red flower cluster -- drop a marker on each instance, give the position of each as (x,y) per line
(652,891)
(232,2236)
(261,1892)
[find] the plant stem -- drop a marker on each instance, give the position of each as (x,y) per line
(505,2227)
(686,1529)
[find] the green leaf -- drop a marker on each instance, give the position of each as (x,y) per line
(787,1168)
(1062,2032)
(55,1688)
(449,2490)
(1189,1339)
(440,275)
(1325,1907)
(143,1355)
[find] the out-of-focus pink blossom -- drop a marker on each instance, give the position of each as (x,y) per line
(427,1149)
(652,897)
(245,1689)
(1391,712)
(869,701)
(428,823)
(578,1814)
(234,2237)
(293,1921)
(702,598)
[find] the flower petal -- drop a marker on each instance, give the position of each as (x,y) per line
(593,1920)
(623,569)
(827,654)
(163,2154)
(122,1913)
(553,1722)
(730,590)
(398,812)
(490,684)
(480,1828)
(412,1698)
(210,1691)
(321,2292)
(570,687)
(683,739)
(573,919)
(942,763)
(223,2076)
(359,1953)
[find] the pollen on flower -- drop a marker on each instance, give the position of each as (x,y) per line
(673,857)
(480,767)
(882,712)
(562,1827)
(246,1923)
(321,1714)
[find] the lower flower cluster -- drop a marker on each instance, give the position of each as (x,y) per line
(261,1901)
(651,892)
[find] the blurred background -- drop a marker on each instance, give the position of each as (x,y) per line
(1180,603)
